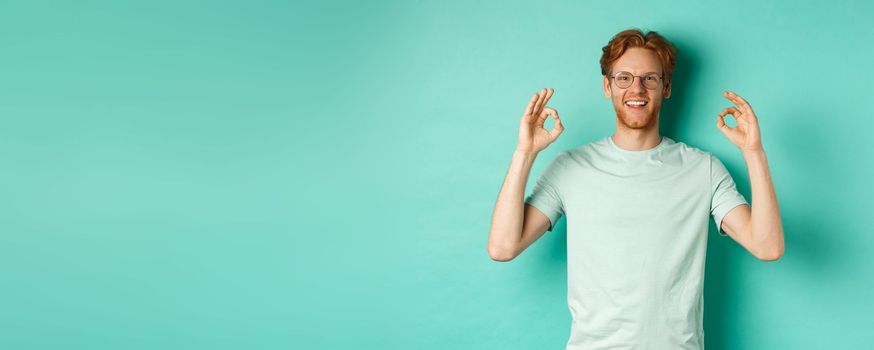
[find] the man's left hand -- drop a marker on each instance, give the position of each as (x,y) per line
(746,134)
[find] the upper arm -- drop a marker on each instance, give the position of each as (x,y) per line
(736,224)
(534,226)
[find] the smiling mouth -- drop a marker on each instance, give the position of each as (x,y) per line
(636,104)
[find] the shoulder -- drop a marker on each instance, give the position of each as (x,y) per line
(688,150)
(587,150)
(691,154)
(716,166)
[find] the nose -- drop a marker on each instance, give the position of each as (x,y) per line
(637,84)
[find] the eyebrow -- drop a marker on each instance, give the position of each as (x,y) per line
(622,70)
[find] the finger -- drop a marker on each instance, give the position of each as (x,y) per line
(557,130)
(549,92)
(730,110)
(558,127)
(739,101)
(530,107)
(547,111)
(720,119)
(745,106)
(541,118)
(741,117)
(731,97)
(720,123)
(538,106)
(532,114)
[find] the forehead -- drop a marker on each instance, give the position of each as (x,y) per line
(638,60)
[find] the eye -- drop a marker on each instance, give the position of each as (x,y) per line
(652,77)
(623,78)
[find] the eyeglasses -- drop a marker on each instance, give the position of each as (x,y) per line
(650,81)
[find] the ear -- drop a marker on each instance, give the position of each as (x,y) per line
(667,93)
(608,91)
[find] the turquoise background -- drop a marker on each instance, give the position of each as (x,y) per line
(321,175)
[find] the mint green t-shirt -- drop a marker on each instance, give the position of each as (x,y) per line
(636,239)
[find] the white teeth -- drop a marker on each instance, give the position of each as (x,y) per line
(635,103)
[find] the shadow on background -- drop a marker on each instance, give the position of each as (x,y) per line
(717,275)
(675,107)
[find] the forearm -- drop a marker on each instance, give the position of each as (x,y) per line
(766,227)
(509,212)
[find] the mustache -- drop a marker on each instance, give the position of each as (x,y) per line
(640,97)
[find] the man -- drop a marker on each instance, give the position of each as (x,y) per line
(637,206)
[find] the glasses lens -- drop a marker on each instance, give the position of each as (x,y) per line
(651,81)
(623,79)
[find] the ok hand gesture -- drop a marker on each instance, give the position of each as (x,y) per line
(533,137)
(746,134)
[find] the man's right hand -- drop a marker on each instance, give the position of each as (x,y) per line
(533,137)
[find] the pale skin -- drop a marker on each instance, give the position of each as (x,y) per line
(516,225)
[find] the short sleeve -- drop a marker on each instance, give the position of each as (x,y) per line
(546,195)
(725,194)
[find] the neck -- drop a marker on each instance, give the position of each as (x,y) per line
(636,139)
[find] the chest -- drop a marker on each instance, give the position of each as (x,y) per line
(657,198)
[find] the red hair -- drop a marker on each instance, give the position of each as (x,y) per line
(651,40)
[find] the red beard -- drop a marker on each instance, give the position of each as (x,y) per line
(638,120)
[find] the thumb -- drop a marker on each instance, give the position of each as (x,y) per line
(558,127)
(720,123)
